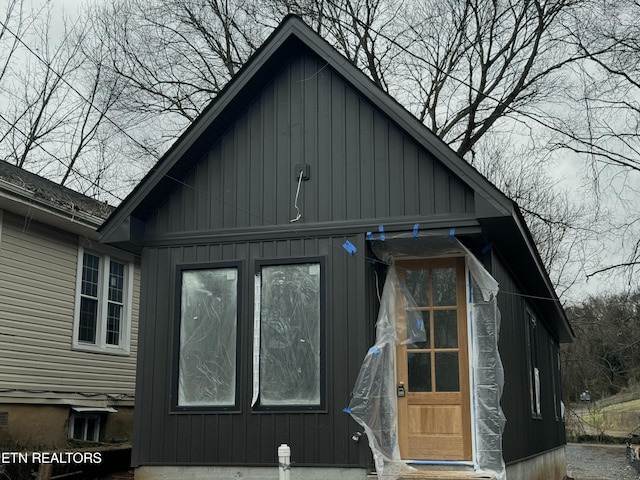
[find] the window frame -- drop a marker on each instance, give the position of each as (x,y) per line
(86,417)
(533,363)
(321,407)
(105,256)
(177,319)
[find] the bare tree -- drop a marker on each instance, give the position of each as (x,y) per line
(604,128)
(54,98)
(605,356)
(467,69)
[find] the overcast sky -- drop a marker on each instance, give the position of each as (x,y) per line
(572,171)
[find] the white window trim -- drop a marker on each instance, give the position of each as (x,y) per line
(86,416)
(101,346)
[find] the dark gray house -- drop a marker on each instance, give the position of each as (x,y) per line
(320,270)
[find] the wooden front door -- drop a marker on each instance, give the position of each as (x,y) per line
(434,416)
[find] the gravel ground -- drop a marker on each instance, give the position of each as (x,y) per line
(598,462)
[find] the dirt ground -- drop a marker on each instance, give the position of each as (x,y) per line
(599,462)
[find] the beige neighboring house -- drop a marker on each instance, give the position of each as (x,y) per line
(68,318)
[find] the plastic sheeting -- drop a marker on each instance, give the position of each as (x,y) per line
(287,335)
(208,330)
(374,401)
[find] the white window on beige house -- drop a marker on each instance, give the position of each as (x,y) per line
(104,287)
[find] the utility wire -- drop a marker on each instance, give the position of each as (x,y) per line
(208,194)
(54,157)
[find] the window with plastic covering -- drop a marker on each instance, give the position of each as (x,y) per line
(206,338)
(288,335)
(534,364)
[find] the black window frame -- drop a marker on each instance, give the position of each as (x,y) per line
(321,407)
(236,407)
(533,362)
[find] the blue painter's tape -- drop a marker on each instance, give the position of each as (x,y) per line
(381,230)
(416,227)
(349,247)
(487,248)
(452,235)
(346,410)
(370,236)
(419,324)
(374,350)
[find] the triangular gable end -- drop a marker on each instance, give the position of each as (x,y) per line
(123,225)
(497,214)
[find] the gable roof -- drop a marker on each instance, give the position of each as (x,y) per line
(493,209)
(292,34)
(30,195)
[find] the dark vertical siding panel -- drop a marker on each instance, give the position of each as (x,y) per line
(162,358)
(427,189)
(144,370)
(310,132)
(162,217)
(225,438)
(456,195)
(469,201)
(268,437)
(296,94)
(411,185)
(309,447)
(152,430)
(176,217)
(296,433)
(269,172)
(189,201)
(284,184)
(368,200)
(257,153)
(197,445)
(441,189)
(395,181)
(381,165)
(229,179)
(324,174)
(184,434)
(203,205)
(337,183)
(211,437)
(215,185)
(352,169)
(242,181)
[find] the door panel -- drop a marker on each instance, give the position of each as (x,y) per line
(434,416)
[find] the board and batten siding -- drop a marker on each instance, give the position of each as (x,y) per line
(361,164)
(38,268)
(524,435)
(251,437)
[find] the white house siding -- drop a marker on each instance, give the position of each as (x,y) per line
(38,267)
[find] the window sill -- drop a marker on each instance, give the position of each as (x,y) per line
(103,350)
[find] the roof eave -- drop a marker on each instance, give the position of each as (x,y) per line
(21,202)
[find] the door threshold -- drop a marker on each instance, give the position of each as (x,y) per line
(438,464)
(450,471)
(446,475)
(440,475)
